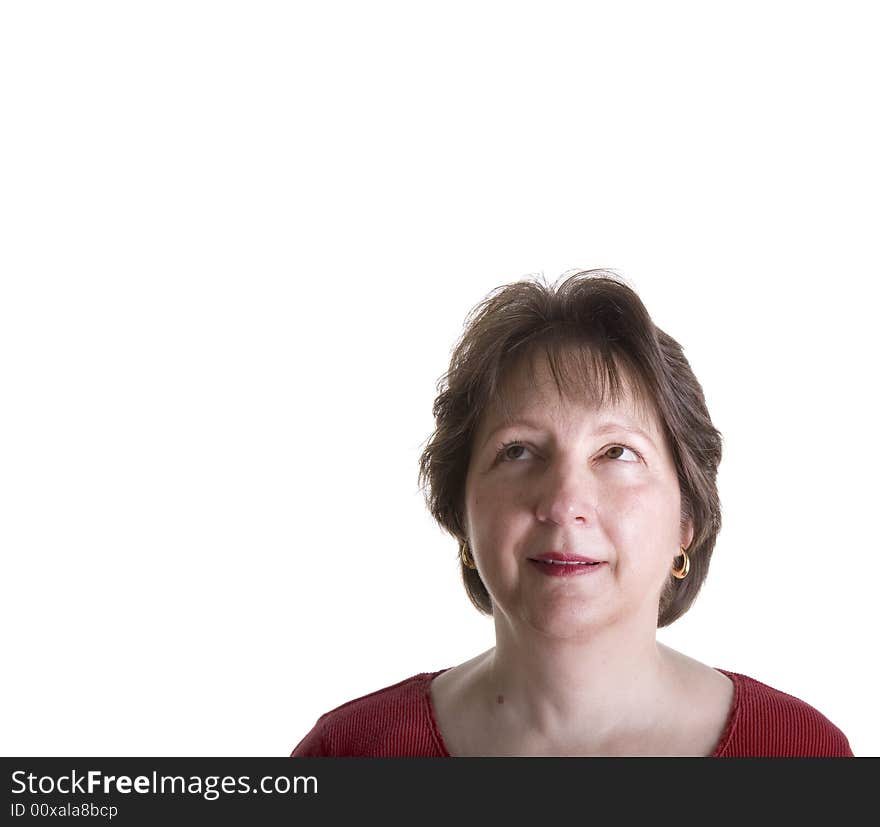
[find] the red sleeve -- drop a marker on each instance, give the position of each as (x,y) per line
(312,746)
(841,747)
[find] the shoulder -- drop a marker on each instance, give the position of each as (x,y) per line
(767,722)
(394,721)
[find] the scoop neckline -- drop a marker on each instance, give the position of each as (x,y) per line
(720,747)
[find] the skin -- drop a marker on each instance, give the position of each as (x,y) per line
(576,668)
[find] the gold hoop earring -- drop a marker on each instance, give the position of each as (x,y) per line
(465,556)
(686,567)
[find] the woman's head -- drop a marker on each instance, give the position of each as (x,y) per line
(571,359)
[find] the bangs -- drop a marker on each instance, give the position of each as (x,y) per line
(581,372)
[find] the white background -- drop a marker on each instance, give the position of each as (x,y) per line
(239,241)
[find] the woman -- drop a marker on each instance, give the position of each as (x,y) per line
(574,461)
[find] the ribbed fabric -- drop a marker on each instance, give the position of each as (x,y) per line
(398,722)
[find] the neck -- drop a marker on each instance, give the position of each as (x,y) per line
(598,688)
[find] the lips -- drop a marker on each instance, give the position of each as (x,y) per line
(563,558)
(566,568)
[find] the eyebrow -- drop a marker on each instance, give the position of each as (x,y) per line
(604,427)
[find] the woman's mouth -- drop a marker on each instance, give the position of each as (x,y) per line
(567,568)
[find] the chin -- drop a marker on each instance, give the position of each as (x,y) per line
(564,622)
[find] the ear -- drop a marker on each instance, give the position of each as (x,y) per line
(687,536)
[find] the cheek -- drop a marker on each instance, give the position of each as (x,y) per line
(643,518)
(490,504)
(628,506)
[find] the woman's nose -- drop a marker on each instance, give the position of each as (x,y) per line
(567,494)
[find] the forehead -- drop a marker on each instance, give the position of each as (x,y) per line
(571,379)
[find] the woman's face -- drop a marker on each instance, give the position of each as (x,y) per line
(576,480)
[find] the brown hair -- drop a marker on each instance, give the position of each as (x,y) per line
(614,337)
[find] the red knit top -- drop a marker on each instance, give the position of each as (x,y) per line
(398,722)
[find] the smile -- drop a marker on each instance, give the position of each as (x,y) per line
(558,568)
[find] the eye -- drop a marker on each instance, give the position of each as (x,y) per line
(503,456)
(623,448)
